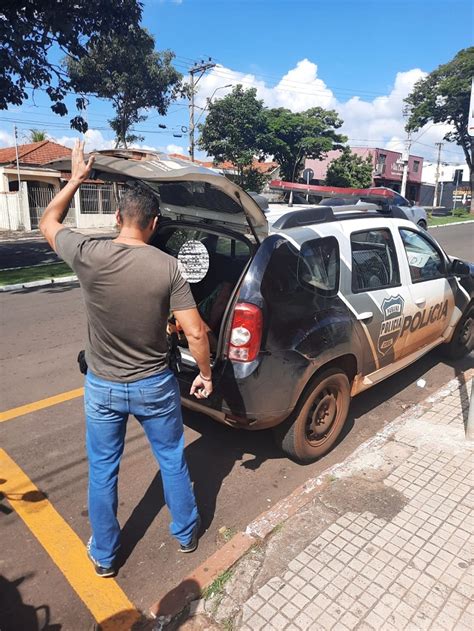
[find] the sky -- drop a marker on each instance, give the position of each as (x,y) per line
(359,57)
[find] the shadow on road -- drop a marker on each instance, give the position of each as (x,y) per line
(212,457)
(393,386)
(15,615)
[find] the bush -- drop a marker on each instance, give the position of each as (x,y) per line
(460,212)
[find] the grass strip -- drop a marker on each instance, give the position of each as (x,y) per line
(38,272)
(442,221)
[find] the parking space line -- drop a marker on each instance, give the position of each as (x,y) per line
(39,405)
(103,597)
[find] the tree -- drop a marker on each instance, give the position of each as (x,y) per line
(28,32)
(129,72)
(292,137)
(38,135)
(235,130)
(443,97)
(350,170)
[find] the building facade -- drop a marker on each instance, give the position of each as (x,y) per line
(387,169)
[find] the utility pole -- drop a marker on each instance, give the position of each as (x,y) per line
(435,199)
(15,133)
(406,158)
(20,200)
(197,69)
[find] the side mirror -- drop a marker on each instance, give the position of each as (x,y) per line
(460,268)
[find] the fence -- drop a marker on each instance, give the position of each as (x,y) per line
(93,206)
(38,200)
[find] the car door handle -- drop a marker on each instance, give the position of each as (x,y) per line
(421,302)
(365,316)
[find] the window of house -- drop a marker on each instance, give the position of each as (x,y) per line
(416,166)
(374,260)
(424,260)
(382,159)
(318,265)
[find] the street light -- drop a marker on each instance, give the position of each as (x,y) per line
(209,100)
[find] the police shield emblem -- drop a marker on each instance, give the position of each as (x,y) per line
(392,310)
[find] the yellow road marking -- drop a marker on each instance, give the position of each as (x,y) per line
(39,405)
(103,597)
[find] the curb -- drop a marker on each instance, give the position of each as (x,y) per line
(455,223)
(40,283)
(191,587)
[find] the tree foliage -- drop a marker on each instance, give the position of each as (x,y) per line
(38,135)
(30,29)
(235,130)
(443,97)
(129,72)
(292,137)
(350,170)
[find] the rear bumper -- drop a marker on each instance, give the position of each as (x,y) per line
(251,396)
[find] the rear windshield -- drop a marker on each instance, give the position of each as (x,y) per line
(198,195)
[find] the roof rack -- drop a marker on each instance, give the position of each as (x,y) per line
(326,214)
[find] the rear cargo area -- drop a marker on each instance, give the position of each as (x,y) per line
(213,263)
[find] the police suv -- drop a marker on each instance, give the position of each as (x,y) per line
(319,306)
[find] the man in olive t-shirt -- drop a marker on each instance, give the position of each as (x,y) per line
(129,288)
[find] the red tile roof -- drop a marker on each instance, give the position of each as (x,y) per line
(263,167)
(35,153)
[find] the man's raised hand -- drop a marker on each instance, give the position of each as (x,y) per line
(80,170)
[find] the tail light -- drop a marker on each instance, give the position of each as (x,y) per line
(246,332)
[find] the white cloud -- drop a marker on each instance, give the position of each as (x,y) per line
(367,122)
(6,139)
(93,137)
(175,149)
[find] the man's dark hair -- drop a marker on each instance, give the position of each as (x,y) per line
(138,206)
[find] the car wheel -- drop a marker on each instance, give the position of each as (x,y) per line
(318,419)
(422,224)
(462,341)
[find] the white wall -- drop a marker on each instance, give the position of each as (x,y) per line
(446,172)
(95,221)
(14,210)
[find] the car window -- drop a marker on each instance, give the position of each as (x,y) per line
(318,265)
(424,260)
(398,200)
(374,260)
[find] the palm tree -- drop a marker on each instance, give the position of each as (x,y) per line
(38,135)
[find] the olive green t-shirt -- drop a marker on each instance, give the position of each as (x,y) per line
(128,292)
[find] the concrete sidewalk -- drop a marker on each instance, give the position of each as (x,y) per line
(385,545)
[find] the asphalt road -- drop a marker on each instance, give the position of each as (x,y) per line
(237,475)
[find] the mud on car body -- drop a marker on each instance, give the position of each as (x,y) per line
(314,309)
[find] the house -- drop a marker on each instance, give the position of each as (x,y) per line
(387,169)
(453,185)
(32,159)
(27,187)
(269,169)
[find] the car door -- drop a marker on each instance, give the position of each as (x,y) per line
(377,296)
(431,293)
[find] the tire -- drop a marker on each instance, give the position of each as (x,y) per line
(462,341)
(325,403)
(422,224)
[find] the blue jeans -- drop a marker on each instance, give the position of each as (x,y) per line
(156,405)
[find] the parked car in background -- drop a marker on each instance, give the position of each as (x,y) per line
(297,196)
(414,213)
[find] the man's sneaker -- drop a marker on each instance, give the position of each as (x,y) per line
(193,544)
(100,570)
